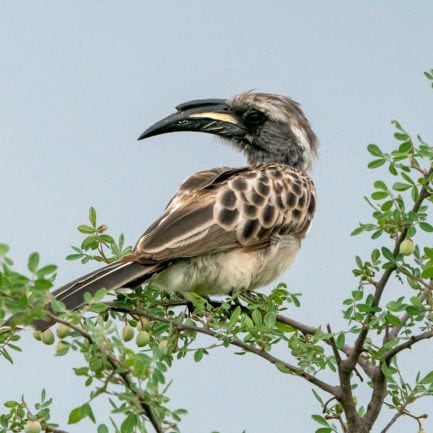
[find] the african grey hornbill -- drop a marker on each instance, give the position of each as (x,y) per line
(226,228)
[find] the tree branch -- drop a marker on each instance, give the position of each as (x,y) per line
(406,345)
(379,380)
(117,367)
(333,390)
(364,363)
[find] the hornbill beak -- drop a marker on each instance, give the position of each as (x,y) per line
(213,116)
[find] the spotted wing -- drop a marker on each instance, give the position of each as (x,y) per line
(229,208)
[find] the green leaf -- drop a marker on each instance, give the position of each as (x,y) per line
(405,147)
(357,295)
(376,234)
(283,368)
(387,253)
(82,228)
(392,320)
(400,186)
(80,413)
(379,195)
(393,170)
(129,424)
(375,255)
(234,317)
(257,317)
(374,150)
(380,185)
(4,249)
(198,355)
(357,231)
(270,319)
(386,206)
(400,136)
(99,295)
(340,340)
(99,308)
(427,272)
(106,239)
(92,216)
(102,428)
(49,269)
(428,379)
(426,227)
(74,256)
(57,306)
(376,163)
(320,420)
(33,262)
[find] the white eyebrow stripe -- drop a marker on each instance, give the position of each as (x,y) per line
(224,117)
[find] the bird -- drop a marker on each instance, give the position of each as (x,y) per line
(226,229)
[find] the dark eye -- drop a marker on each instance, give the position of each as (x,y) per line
(253,118)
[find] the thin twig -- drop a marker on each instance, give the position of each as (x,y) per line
(393,333)
(119,368)
(334,346)
(391,422)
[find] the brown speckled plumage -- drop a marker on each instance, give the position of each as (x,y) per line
(229,209)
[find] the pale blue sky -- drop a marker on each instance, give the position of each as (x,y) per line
(81,80)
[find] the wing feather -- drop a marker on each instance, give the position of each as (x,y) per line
(223,208)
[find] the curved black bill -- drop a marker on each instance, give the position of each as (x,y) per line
(213,116)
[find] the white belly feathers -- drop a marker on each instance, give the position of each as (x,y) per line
(220,273)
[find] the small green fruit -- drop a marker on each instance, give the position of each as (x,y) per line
(163,345)
(63,330)
(61,348)
(142,339)
(407,247)
(143,324)
(47,337)
(37,335)
(32,427)
(127,333)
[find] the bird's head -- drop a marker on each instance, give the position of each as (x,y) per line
(266,127)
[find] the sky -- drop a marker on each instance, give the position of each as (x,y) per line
(81,80)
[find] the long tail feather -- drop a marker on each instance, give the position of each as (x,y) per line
(109,277)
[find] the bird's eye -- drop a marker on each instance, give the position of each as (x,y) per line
(253,118)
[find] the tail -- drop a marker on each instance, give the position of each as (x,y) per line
(113,276)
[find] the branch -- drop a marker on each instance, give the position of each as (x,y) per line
(391,422)
(364,363)
(333,390)
(334,347)
(381,284)
(305,329)
(119,368)
(379,380)
(406,345)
